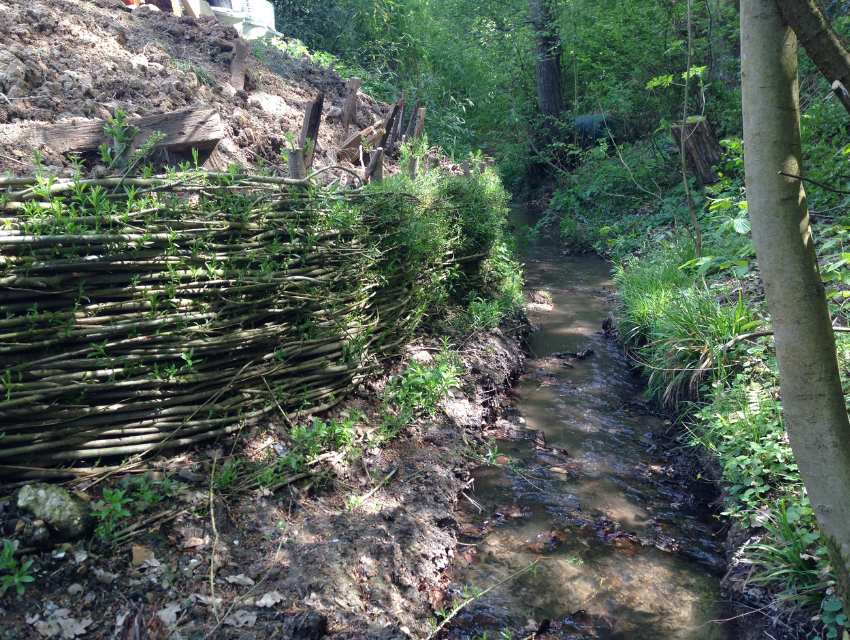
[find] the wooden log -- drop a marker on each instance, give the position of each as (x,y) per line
(482,168)
(389,125)
(350,108)
(310,128)
(350,149)
(414,112)
(702,149)
(491,162)
(238,65)
(375,170)
(420,124)
(183,130)
(466,171)
(297,163)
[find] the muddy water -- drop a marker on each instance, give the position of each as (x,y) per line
(626,545)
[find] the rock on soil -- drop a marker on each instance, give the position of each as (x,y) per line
(69,516)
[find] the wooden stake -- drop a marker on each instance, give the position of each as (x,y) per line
(399,121)
(297,165)
(375,170)
(310,128)
(350,108)
(413,167)
(433,162)
(389,125)
(413,115)
(466,172)
(482,167)
(420,124)
(238,65)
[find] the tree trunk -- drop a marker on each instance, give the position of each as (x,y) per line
(825,47)
(812,398)
(549,93)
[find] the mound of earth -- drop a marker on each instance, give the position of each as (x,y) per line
(67,59)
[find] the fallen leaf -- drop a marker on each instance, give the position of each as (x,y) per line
(269,599)
(141,555)
(191,543)
(58,623)
(120,619)
(241,618)
(207,600)
(75,588)
(241,580)
(169,614)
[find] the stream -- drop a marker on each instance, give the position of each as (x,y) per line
(626,544)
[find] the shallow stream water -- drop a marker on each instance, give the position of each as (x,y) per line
(626,544)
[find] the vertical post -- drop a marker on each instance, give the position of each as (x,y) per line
(375,170)
(389,125)
(433,162)
(238,65)
(491,162)
(413,167)
(413,114)
(482,168)
(466,171)
(310,128)
(420,124)
(350,102)
(297,165)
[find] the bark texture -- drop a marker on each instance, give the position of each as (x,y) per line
(549,92)
(823,45)
(812,398)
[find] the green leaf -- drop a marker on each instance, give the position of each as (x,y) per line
(741,225)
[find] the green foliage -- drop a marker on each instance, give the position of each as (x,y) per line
(14,575)
(417,391)
(111,511)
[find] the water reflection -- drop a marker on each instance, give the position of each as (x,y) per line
(626,549)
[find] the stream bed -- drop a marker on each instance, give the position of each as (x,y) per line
(624,535)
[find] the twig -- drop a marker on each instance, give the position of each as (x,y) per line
(381,484)
(762,334)
(814,182)
(215,540)
(477,596)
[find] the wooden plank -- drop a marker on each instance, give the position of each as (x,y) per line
(350,149)
(310,128)
(177,7)
(410,124)
(183,130)
(420,124)
(350,107)
(238,65)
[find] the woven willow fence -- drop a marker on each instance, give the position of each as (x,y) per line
(150,313)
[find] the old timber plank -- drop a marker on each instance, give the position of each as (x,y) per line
(190,129)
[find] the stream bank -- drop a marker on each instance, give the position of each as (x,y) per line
(356,559)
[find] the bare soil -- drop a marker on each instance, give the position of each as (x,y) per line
(62,60)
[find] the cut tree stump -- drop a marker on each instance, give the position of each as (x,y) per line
(702,150)
(310,129)
(238,65)
(183,130)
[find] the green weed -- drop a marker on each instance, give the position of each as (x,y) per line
(15,575)
(111,511)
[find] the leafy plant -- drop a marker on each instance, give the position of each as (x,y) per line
(111,511)
(16,575)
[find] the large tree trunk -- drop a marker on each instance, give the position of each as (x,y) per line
(825,47)
(812,399)
(549,92)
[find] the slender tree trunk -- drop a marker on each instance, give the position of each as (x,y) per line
(549,92)
(684,137)
(823,45)
(812,398)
